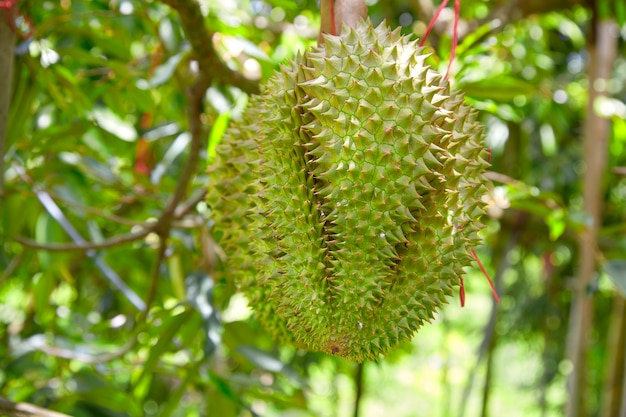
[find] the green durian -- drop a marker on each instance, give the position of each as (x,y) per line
(349,195)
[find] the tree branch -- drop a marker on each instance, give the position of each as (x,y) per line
(11,409)
(86,358)
(82,246)
(358,382)
(181,210)
(98,212)
(212,68)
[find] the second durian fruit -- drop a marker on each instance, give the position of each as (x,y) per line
(349,195)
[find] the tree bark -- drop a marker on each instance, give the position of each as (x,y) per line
(614,370)
(602,48)
(7,51)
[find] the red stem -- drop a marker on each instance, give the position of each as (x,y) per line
(482,268)
(443,4)
(462,292)
(455,34)
(455,30)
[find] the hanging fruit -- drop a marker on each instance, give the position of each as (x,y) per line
(349,196)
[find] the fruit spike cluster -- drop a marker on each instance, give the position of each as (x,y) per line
(348,197)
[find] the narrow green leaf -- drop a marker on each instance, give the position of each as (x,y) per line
(43,286)
(113,124)
(556,222)
(499,88)
(200,294)
(271,363)
(163,73)
(166,335)
(177,275)
(43,235)
(475,36)
(219,127)
(173,400)
(223,387)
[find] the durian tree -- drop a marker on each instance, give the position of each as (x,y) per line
(208,208)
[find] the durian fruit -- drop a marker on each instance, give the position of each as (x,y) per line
(349,195)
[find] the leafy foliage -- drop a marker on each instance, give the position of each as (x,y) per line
(124,313)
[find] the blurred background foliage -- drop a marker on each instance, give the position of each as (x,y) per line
(105,314)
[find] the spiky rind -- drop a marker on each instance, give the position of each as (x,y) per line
(348,197)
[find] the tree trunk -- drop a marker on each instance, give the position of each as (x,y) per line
(7,51)
(602,48)
(614,369)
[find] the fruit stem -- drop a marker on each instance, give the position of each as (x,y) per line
(455,30)
(462,292)
(484,271)
(333,29)
(455,34)
(443,4)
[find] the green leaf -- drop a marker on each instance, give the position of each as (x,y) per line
(174,151)
(114,399)
(557,222)
(500,88)
(44,233)
(266,360)
(164,72)
(469,41)
(175,267)
(200,294)
(227,399)
(43,284)
(173,401)
(219,127)
(113,124)
(616,271)
(165,336)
